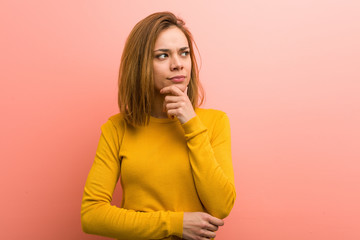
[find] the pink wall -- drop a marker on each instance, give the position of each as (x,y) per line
(286,72)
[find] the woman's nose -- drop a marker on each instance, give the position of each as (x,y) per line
(176,64)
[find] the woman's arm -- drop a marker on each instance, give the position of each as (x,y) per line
(99,217)
(210,158)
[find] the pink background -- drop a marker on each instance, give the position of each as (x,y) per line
(286,72)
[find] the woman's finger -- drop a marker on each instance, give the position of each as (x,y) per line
(208,234)
(173,90)
(212,227)
(170,99)
(173,112)
(216,221)
(174,105)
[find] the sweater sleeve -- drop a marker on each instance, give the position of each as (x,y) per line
(99,217)
(210,159)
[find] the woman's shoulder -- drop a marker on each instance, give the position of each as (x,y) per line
(117,117)
(116,121)
(205,113)
(210,116)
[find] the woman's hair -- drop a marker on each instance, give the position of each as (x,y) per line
(136,83)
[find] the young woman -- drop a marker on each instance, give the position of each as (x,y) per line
(173,158)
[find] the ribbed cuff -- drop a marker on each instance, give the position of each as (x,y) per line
(176,223)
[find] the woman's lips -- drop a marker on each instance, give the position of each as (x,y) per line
(177,79)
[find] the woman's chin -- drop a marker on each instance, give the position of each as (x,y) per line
(182,86)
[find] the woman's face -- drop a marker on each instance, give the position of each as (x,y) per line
(172,62)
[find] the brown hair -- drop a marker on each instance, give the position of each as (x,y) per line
(136,83)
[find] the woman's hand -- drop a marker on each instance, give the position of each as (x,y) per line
(177,104)
(200,225)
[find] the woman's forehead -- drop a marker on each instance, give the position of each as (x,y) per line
(171,38)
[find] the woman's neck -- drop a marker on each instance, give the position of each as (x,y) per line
(157,108)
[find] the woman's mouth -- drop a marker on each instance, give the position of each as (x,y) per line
(177,79)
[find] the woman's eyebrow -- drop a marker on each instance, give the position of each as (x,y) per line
(168,50)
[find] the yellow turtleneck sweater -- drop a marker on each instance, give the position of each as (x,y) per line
(166,168)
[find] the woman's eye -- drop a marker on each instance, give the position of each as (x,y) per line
(185,53)
(161,56)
